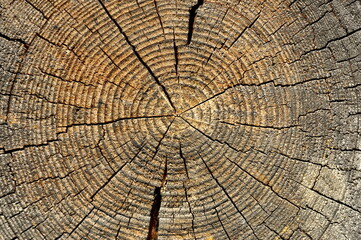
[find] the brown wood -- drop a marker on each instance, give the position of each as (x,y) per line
(159,119)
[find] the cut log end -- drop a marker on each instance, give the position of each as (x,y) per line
(190,119)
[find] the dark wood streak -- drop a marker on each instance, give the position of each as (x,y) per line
(154,213)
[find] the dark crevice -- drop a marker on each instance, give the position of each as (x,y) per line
(258,126)
(154,213)
(10,151)
(115,120)
(160,19)
(160,142)
(241,84)
(115,173)
(184,159)
(167,96)
(328,43)
(63,79)
(220,221)
(176,56)
(211,138)
(228,196)
(192,16)
(185,188)
(53,102)
(353,86)
(37,9)
(243,31)
(22,57)
(115,64)
(291,3)
(15,40)
(81,221)
(335,200)
(190,210)
(279,235)
(46,40)
(266,184)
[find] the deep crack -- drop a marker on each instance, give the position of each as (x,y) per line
(192,16)
(154,213)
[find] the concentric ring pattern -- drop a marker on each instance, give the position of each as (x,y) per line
(157,119)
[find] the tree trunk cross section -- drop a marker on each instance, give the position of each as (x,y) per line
(192,119)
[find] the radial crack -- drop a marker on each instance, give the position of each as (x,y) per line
(81,221)
(192,16)
(37,9)
(239,84)
(259,126)
(160,19)
(244,30)
(263,183)
(220,221)
(26,45)
(115,173)
(116,120)
(228,196)
(176,55)
(209,137)
(154,213)
(334,200)
(164,90)
(190,210)
(160,141)
(47,143)
(185,188)
(183,158)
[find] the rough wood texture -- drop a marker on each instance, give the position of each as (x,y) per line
(159,119)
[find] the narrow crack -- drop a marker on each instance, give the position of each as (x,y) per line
(81,221)
(192,16)
(116,172)
(47,143)
(160,19)
(334,200)
(244,30)
(327,44)
(210,138)
(228,196)
(63,79)
(185,188)
(154,213)
(176,55)
(37,9)
(184,159)
(220,221)
(160,142)
(116,120)
(164,90)
(264,184)
(279,236)
(259,126)
(240,84)
(26,45)
(190,210)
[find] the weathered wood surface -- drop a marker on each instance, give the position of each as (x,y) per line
(180,119)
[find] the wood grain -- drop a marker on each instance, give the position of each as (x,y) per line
(192,119)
